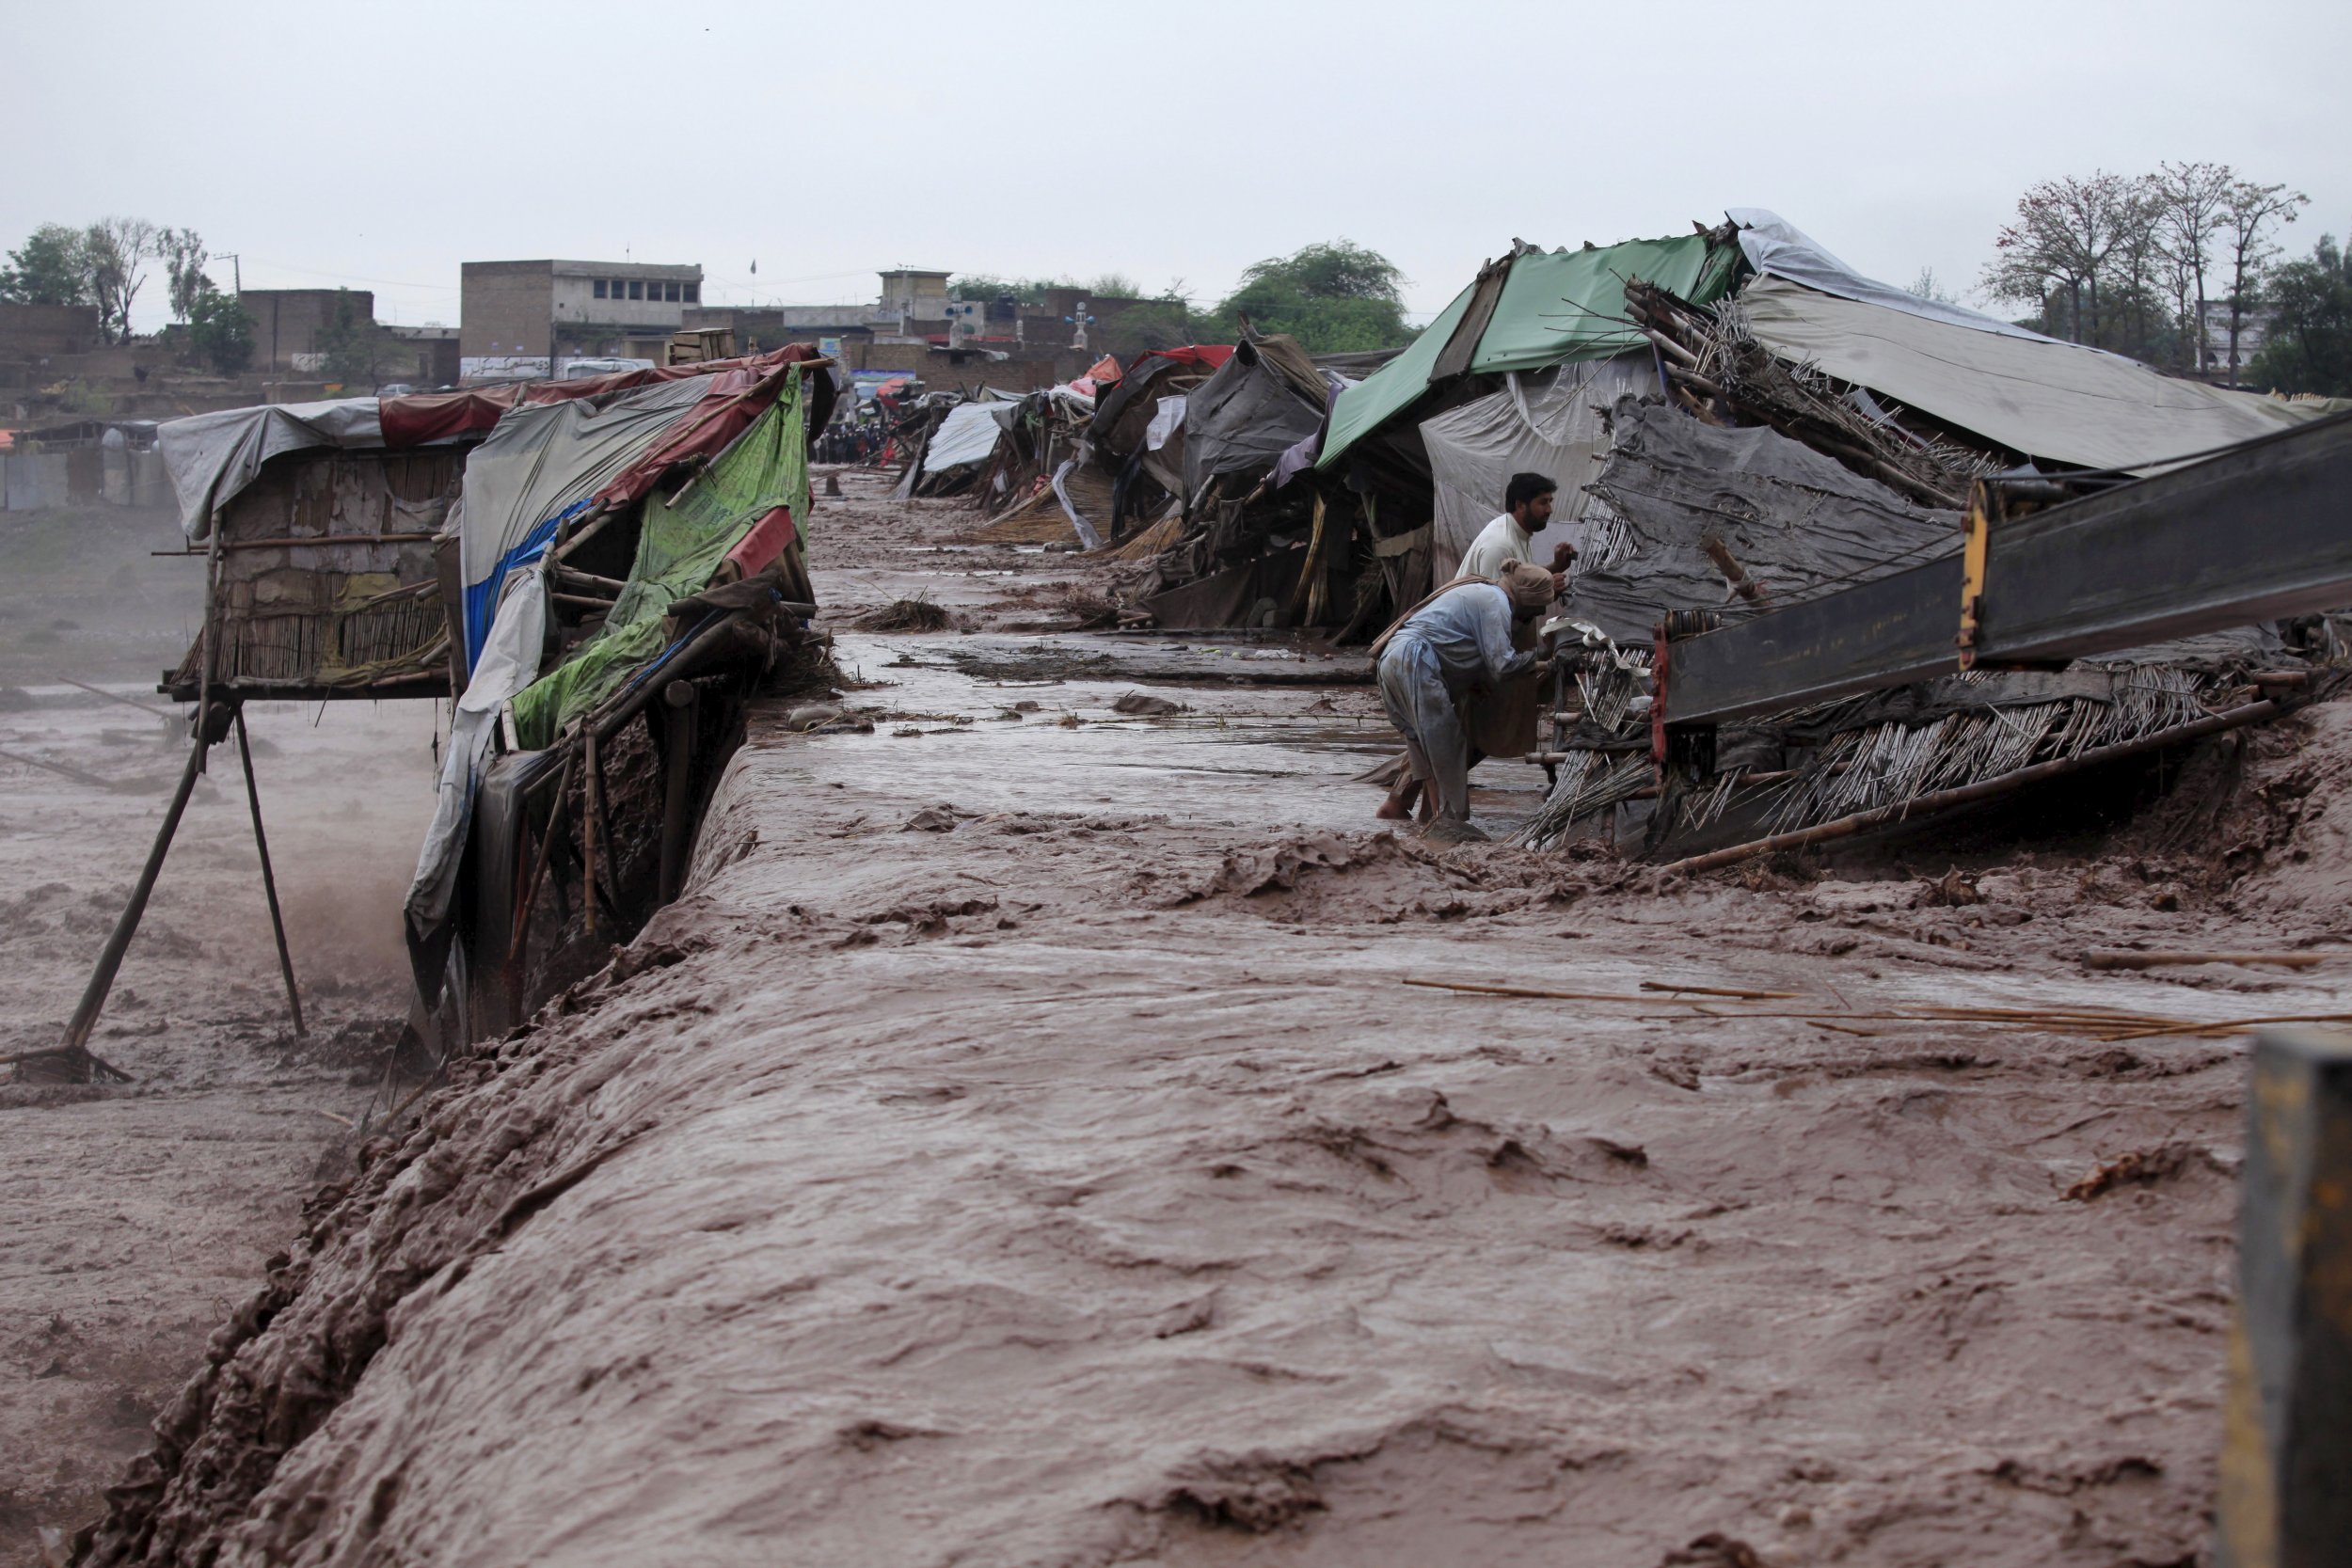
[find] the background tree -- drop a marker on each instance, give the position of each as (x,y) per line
(220,334)
(51,267)
(353,346)
(182,254)
(1928,287)
(2250,214)
(119,249)
(2191,199)
(1334,298)
(2309,347)
(2056,254)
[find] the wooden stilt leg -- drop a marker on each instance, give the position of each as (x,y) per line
(269,879)
(101,980)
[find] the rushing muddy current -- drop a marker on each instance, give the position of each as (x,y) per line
(1023,1145)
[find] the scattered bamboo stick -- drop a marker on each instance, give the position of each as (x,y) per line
(1724,990)
(92,780)
(2109,957)
(116,697)
(1532,991)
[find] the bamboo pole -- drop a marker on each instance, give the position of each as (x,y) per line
(269,879)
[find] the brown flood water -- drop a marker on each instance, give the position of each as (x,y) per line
(1021,1147)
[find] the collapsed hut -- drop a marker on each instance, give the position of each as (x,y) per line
(561,559)
(1812,429)
(1232,555)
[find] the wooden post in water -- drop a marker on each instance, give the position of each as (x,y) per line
(2287,1446)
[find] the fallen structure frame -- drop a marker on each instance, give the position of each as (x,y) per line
(2261,531)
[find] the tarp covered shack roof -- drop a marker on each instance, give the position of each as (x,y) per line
(1533,309)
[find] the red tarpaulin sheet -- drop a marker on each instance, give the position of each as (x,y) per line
(410,422)
(739,392)
(766,540)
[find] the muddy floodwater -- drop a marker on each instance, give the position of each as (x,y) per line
(1042,1134)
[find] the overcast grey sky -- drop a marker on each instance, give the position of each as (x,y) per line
(381,145)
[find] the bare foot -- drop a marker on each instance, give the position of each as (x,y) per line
(1391,811)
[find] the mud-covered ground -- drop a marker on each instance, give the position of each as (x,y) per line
(1022,1146)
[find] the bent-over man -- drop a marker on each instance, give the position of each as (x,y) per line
(1456,642)
(1502,721)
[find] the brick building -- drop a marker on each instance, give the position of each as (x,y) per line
(287,321)
(529,311)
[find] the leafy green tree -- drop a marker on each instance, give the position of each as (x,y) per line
(183,253)
(1334,298)
(51,267)
(220,333)
(2309,348)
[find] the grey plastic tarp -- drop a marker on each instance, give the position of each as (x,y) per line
(1796,521)
(1264,400)
(2034,395)
(1774,244)
(212,456)
(968,435)
(1541,421)
(542,457)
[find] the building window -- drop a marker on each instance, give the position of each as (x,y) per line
(693,294)
(636,290)
(669,293)
(599,288)
(620,290)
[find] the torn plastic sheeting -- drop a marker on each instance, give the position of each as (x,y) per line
(1794,520)
(680,544)
(1542,421)
(1167,419)
(212,456)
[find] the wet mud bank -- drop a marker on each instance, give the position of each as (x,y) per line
(1021,1144)
(968,1171)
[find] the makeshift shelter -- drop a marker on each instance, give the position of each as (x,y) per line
(455,544)
(1137,434)
(1413,460)
(1819,429)
(1235,553)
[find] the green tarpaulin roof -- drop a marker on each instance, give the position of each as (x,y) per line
(1555,306)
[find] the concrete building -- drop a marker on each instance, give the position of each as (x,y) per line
(916,298)
(528,311)
(288,322)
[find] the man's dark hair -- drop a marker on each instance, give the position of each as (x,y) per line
(1526,487)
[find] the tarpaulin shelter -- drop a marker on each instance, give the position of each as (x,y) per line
(1531,309)
(1551,421)
(553,477)
(683,542)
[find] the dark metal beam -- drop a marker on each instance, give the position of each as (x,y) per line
(2264,529)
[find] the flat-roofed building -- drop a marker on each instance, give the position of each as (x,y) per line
(518,313)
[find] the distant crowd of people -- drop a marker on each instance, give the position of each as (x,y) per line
(857,437)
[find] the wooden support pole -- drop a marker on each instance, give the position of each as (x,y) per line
(102,979)
(539,872)
(2286,1445)
(589,811)
(269,877)
(677,714)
